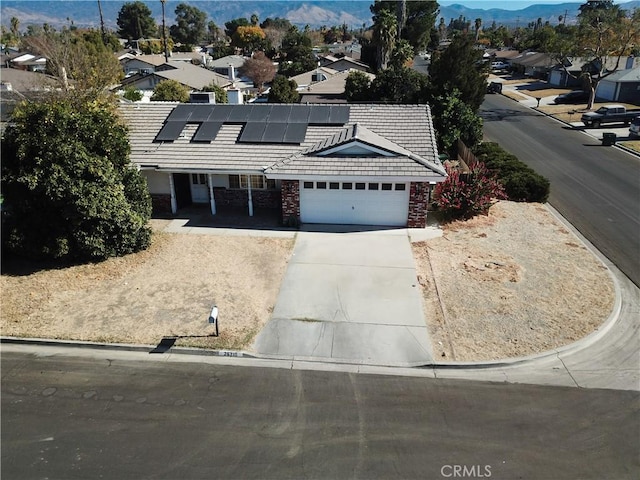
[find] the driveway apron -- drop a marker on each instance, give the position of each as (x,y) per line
(349,297)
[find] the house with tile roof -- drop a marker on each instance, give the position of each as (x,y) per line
(192,76)
(338,164)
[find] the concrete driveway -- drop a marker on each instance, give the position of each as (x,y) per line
(349,297)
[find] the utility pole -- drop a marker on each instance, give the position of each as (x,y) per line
(104,34)
(164,33)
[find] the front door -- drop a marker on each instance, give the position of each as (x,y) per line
(181,182)
(199,188)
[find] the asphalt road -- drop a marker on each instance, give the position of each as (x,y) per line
(596,188)
(85,418)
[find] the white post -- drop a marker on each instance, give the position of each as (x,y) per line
(250,197)
(174,203)
(213,199)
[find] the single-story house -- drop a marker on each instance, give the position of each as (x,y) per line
(621,86)
(319,74)
(192,76)
(343,63)
(146,64)
(338,164)
(330,90)
(27,61)
(533,64)
(228,65)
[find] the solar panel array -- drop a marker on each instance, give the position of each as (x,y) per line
(263,123)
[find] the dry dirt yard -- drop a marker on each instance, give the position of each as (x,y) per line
(165,291)
(512,283)
(509,284)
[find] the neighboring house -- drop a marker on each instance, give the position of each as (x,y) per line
(621,86)
(341,64)
(192,76)
(228,65)
(533,64)
(330,90)
(19,85)
(319,74)
(146,64)
(27,61)
(568,77)
(340,164)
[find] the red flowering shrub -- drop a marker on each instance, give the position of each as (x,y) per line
(463,196)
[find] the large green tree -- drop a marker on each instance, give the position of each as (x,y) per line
(190,26)
(296,54)
(357,87)
(283,90)
(170,91)
(415,19)
(460,67)
(453,119)
(135,21)
(399,85)
(69,184)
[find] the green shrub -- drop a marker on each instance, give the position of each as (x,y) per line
(521,183)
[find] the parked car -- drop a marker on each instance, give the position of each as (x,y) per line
(576,96)
(634,128)
(499,66)
(609,114)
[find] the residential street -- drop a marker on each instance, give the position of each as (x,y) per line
(596,188)
(124,415)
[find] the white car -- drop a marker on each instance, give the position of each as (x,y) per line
(499,66)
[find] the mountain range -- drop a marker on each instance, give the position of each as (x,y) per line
(315,13)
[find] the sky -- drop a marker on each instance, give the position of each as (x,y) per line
(504,4)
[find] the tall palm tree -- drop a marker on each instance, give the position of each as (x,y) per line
(385,31)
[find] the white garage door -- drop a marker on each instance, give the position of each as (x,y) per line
(354,203)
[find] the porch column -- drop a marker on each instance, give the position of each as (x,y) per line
(174,203)
(213,199)
(249,194)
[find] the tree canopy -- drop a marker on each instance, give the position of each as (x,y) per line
(260,69)
(283,90)
(69,185)
(135,21)
(190,26)
(170,91)
(460,66)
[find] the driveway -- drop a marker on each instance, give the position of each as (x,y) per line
(349,297)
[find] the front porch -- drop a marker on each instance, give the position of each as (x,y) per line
(199,215)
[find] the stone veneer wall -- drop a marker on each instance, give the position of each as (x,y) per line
(290,201)
(161,203)
(418,201)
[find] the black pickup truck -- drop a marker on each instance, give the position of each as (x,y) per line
(609,114)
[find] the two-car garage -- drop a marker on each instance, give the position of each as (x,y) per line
(355,203)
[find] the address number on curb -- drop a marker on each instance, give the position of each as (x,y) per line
(224,353)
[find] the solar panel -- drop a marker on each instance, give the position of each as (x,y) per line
(252,132)
(200,113)
(170,131)
(279,113)
(220,113)
(259,113)
(339,114)
(239,113)
(296,133)
(274,132)
(299,114)
(319,114)
(181,113)
(207,131)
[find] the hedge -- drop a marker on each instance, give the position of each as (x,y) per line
(521,183)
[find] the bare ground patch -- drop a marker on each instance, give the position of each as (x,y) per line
(167,290)
(513,283)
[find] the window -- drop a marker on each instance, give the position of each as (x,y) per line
(373,186)
(400,186)
(386,186)
(360,186)
(347,186)
(321,185)
(258,182)
(334,186)
(308,184)
(199,178)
